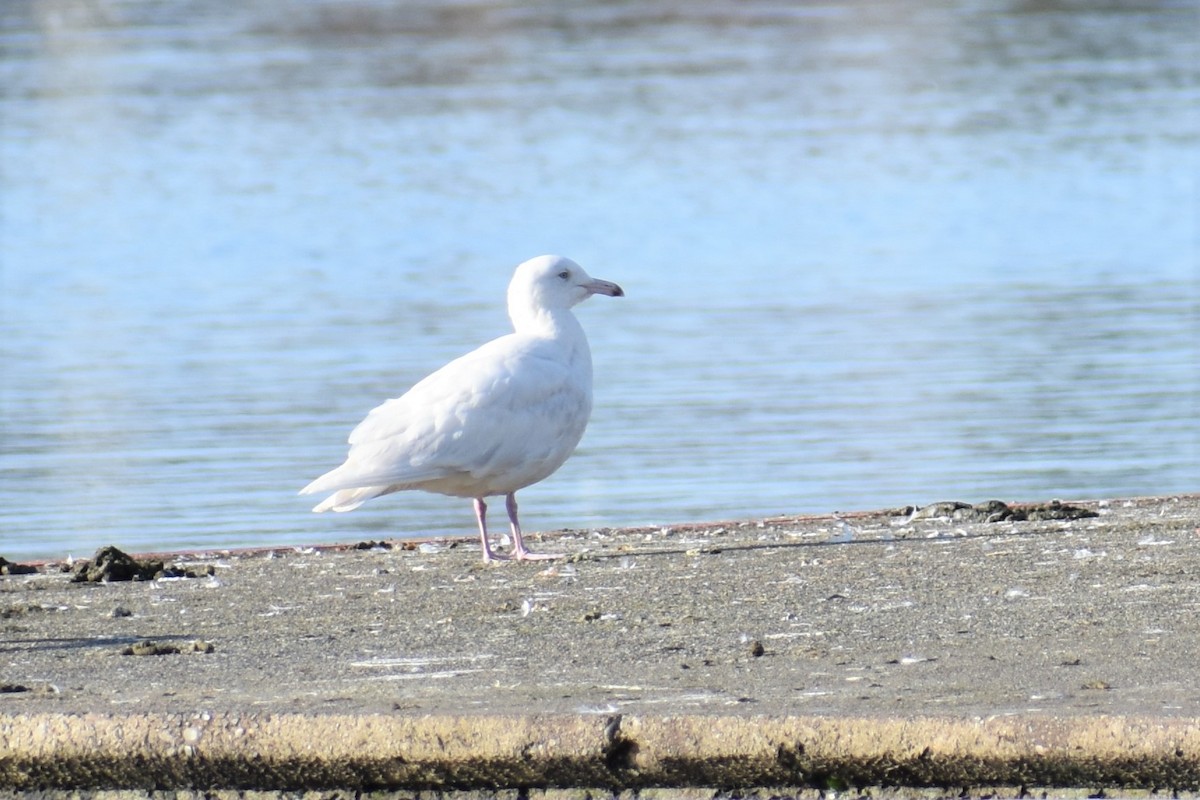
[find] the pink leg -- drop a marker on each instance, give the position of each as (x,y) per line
(520,553)
(481,516)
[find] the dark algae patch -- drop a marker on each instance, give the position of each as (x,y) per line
(111,564)
(999,511)
(9,568)
(1054,510)
(151,648)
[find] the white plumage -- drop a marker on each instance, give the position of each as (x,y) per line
(492,422)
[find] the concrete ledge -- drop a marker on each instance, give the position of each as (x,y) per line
(912,655)
(282,752)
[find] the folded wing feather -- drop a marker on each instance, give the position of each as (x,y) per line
(470,423)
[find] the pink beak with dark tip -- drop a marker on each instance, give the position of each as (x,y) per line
(596,286)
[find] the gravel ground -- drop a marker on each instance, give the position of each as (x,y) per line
(888,616)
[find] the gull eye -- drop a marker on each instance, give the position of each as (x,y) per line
(564,274)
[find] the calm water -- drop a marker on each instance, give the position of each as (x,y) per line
(875,253)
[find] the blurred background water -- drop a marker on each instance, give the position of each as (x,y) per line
(875,252)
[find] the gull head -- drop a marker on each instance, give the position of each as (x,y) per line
(553,283)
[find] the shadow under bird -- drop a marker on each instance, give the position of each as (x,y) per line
(492,422)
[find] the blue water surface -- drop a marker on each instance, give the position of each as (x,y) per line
(875,253)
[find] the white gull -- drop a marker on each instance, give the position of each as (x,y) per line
(492,422)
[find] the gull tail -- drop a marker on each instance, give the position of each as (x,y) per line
(349,499)
(344,498)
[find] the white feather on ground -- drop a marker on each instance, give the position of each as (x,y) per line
(494,421)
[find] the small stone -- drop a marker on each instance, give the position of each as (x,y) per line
(756,648)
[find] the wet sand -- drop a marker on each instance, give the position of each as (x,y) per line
(878,649)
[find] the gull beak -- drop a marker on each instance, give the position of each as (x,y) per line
(597,286)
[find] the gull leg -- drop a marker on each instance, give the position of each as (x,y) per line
(481,516)
(519,552)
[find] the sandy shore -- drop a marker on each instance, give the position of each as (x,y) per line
(929,653)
